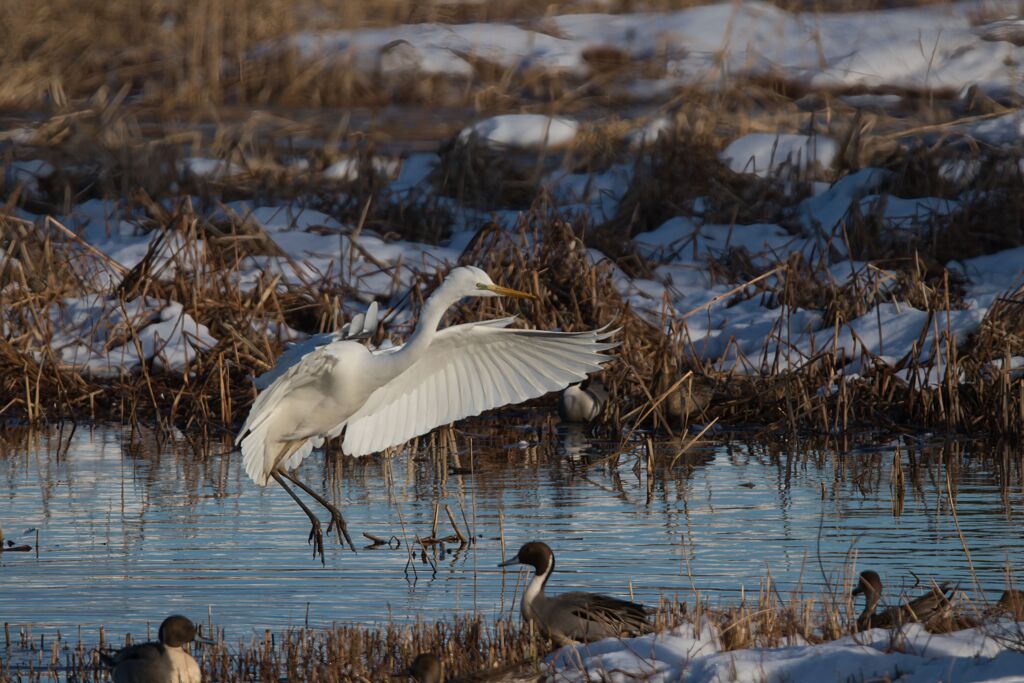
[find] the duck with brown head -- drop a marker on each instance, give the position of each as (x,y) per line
(428,668)
(934,605)
(575,617)
(1011,603)
(161,662)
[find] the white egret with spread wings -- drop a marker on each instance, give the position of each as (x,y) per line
(386,397)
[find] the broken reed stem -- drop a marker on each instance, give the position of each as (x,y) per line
(692,441)
(451,518)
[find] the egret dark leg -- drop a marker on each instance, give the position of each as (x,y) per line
(316,536)
(336,518)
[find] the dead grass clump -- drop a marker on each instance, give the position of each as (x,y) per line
(994,196)
(666,183)
(1002,330)
(366,201)
(484,178)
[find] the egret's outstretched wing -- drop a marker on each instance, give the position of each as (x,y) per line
(362,326)
(469,369)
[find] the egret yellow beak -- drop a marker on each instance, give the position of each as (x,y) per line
(505,291)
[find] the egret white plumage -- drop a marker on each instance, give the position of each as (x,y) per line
(362,326)
(386,397)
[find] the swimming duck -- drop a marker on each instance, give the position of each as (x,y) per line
(582,402)
(933,605)
(427,668)
(160,662)
(575,617)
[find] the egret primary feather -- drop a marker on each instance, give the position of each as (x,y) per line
(382,398)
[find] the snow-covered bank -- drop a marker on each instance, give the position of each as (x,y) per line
(734,327)
(923,48)
(912,655)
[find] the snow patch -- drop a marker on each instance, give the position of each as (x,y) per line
(765,154)
(681,654)
(528,131)
(103,337)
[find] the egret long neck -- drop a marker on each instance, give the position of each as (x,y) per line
(426,327)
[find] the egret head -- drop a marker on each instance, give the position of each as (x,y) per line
(472,281)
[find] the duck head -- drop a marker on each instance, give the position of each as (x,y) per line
(536,554)
(176,630)
(870,584)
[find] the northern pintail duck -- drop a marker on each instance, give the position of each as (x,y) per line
(933,605)
(582,402)
(160,662)
(428,668)
(1011,602)
(574,617)
(689,399)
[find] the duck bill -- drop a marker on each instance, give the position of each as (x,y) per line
(514,293)
(404,673)
(509,563)
(857,591)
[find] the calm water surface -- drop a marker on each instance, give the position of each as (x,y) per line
(130,532)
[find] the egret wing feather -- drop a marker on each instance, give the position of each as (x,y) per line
(469,369)
(309,369)
(292,356)
(370,321)
(362,326)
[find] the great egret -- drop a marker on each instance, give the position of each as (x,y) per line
(575,617)
(384,398)
(160,662)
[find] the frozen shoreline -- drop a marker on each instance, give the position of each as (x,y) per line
(911,654)
(936,47)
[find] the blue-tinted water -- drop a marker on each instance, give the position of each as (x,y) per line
(128,535)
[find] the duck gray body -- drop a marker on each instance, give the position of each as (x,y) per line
(160,662)
(582,402)
(427,668)
(576,617)
(933,605)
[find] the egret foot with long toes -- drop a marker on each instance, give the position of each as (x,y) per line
(316,534)
(337,520)
(316,538)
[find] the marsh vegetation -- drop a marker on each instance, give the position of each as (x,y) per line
(816,264)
